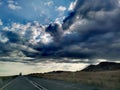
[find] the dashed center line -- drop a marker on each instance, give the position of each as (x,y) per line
(35,84)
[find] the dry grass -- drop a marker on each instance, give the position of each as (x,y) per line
(7,77)
(109,79)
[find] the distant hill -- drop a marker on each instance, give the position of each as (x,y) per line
(105,75)
(103,66)
(58,72)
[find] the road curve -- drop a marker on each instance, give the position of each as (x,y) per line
(22,83)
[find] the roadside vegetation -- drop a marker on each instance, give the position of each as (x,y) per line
(5,79)
(106,79)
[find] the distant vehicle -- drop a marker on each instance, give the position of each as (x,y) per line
(20,74)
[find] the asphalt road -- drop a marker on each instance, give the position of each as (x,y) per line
(22,83)
(30,83)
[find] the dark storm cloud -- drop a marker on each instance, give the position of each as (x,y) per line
(12,36)
(91,31)
(100,30)
(3,49)
(94,28)
(83,7)
(15,46)
(55,30)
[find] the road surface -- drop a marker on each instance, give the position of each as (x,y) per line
(30,83)
(22,83)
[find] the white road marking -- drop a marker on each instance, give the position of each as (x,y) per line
(8,84)
(35,84)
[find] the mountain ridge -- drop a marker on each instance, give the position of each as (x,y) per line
(103,66)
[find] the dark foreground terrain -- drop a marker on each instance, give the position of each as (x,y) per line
(102,80)
(89,78)
(33,83)
(104,76)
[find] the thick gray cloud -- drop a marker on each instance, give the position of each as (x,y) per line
(55,30)
(84,7)
(12,36)
(91,31)
(13,45)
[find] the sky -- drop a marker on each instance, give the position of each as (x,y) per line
(50,35)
